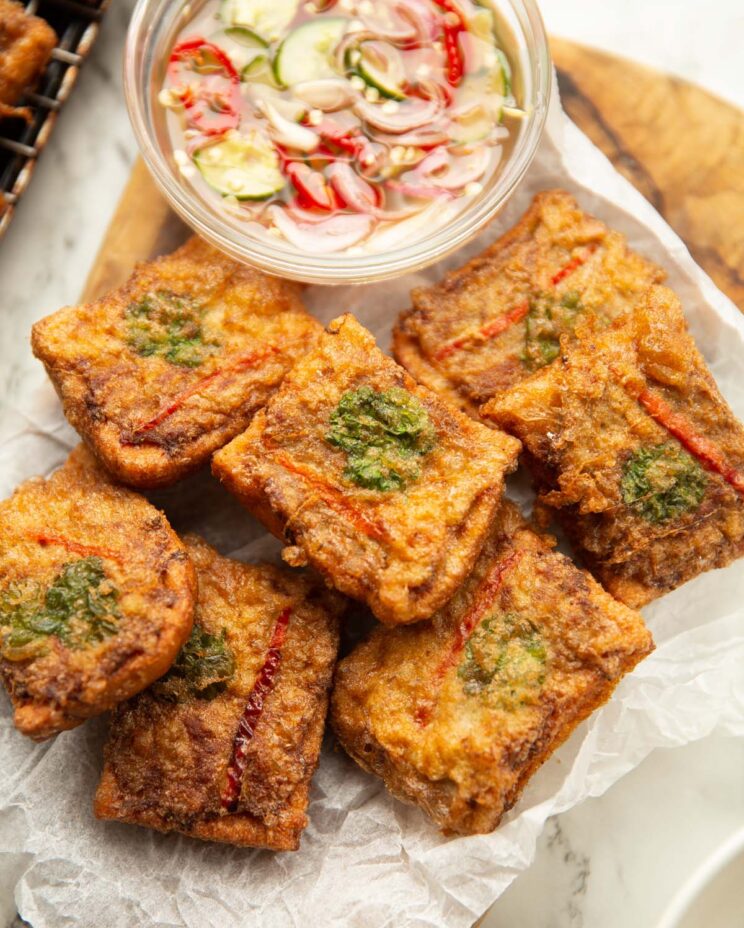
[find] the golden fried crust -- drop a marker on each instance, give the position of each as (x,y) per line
(466,337)
(152,405)
(456,715)
(402,551)
(642,384)
(406,352)
(25,45)
(78,520)
(167,757)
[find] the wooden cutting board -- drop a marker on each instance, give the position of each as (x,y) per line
(682,147)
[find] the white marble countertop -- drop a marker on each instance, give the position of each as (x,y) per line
(613,861)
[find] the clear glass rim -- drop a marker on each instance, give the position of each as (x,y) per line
(335,268)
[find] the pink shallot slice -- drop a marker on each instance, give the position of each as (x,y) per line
(454,173)
(418,191)
(427,137)
(358,195)
(333,234)
(408,117)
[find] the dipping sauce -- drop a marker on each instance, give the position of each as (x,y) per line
(340,125)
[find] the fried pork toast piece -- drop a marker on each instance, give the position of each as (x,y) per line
(224,746)
(456,714)
(25,45)
(490,324)
(96,596)
(633,446)
(160,373)
(369,478)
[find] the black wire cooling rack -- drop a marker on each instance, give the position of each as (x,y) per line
(76,23)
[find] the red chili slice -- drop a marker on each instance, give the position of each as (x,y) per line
(214,110)
(502,323)
(489,331)
(486,595)
(76,547)
(312,187)
(332,497)
(262,688)
(341,138)
(348,141)
(574,264)
(706,451)
(213,105)
(193,50)
(451,31)
(166,411)
(455,63)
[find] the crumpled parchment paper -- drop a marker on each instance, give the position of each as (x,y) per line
(366,860)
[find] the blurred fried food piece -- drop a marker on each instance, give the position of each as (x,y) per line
(224,746)
(26,43)
(370,478)
(96,596)
(490,324)
(456,714)
(635,450)
(163,371)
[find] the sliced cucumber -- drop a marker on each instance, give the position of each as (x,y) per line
(259,69)
(481,25)
(307,52)
(474,126)
(267,18)
(241,45)
(381,66)
(515,112)
(479,104)
(242,166)
(246,37)
(491,86)
(502,75)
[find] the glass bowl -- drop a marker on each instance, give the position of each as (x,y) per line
(152,30)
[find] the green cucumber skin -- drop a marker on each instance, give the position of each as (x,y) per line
(506,72)
(275,71)
(296,38)
(369,79)
(240,33)
(206,170)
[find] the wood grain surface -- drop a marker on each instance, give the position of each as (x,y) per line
(682,147)
(679,145)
